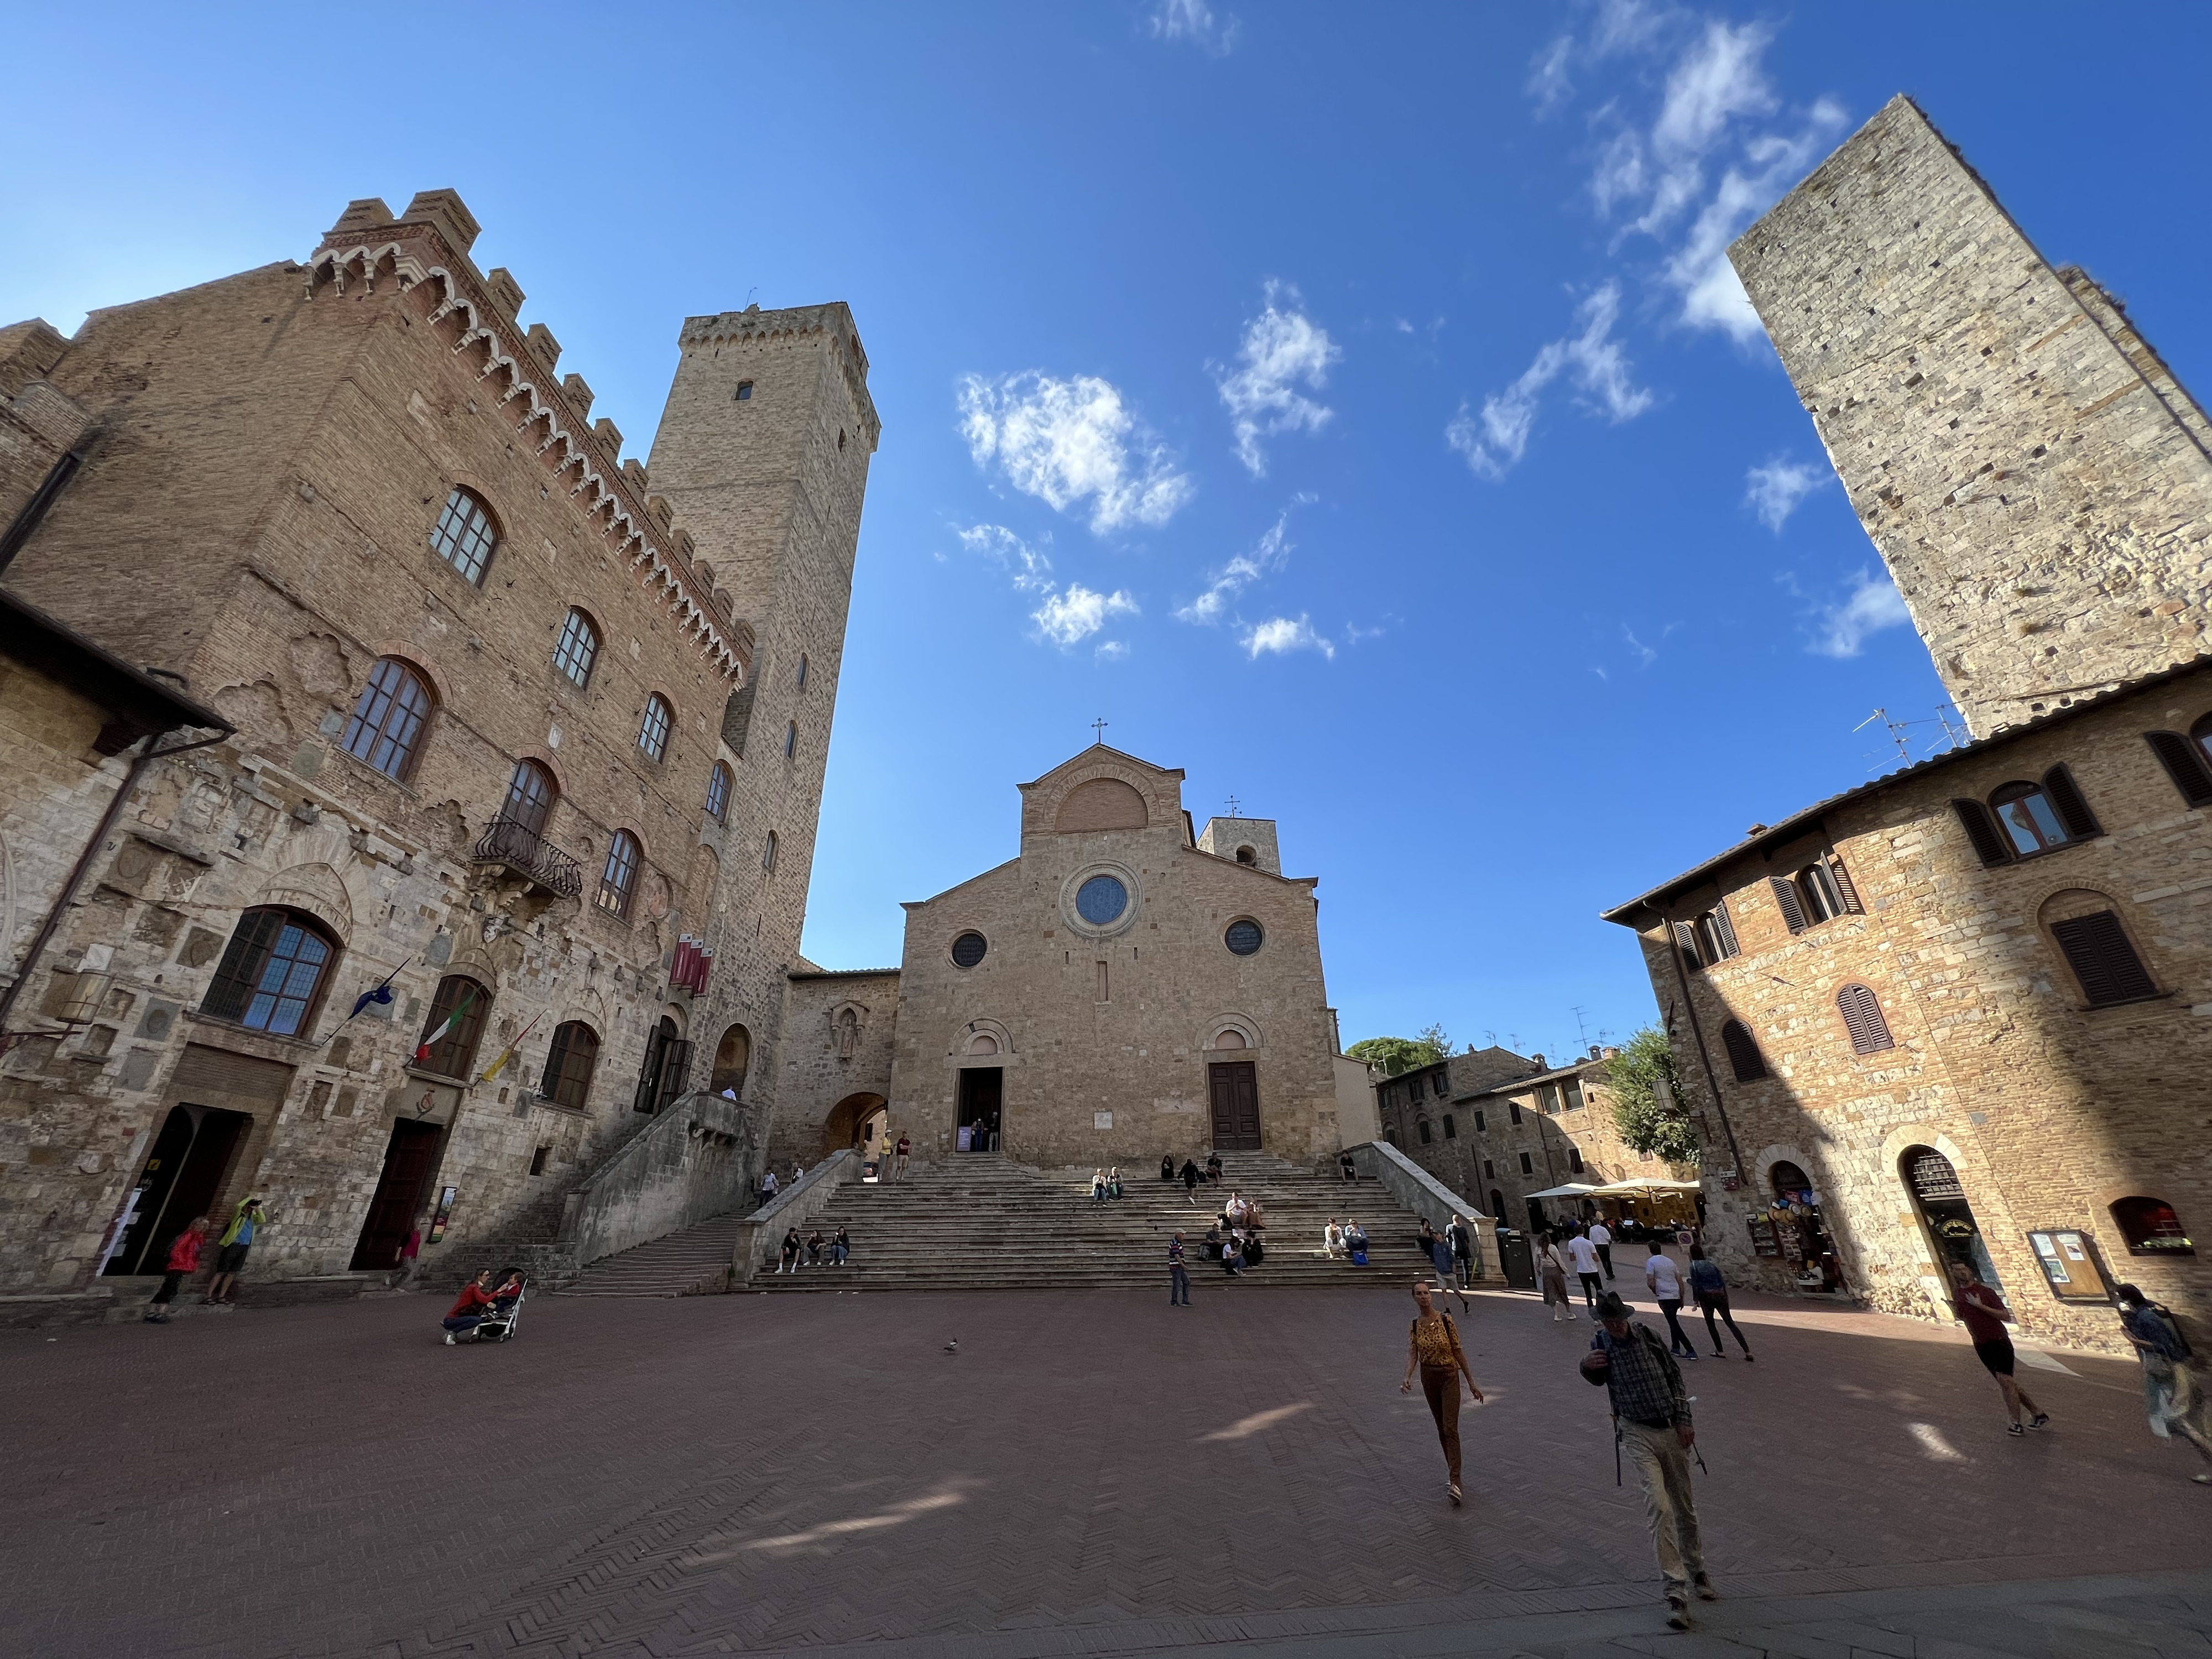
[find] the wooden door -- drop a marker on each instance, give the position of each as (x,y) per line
(1234,1087)
(392,1212)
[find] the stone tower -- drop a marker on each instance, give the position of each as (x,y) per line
(2036,480)
(762,451)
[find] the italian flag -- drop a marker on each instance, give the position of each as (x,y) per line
(423,1054)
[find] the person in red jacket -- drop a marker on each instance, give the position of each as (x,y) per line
(183,1262)
(468,1312)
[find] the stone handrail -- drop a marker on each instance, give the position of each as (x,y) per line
(795,1206)
(699,1158)
(1414,1188)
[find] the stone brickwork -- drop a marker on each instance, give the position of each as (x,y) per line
(1104,1032)
(1246,840)
(2036,479)
(839,1040)
(2050,1109)
(273,451)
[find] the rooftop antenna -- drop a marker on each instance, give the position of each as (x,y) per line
(1581,1029)
(1896,731)
(1098,726)
(1954,732)
(750,292)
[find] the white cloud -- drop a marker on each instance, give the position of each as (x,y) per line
(1773,492)
(1112,651)
(1240,572)
(1279,635)
(1873,605)
(1645,655)
(1031,571)
(1072,440)
(1493,441)
(1069,618)
(1195,20)
(1283,348)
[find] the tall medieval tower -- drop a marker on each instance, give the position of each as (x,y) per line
(2037,481)
(762,451)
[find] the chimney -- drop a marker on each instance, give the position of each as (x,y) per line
(1539,1058)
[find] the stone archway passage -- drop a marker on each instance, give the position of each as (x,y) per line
(731,1056)
(848,1118)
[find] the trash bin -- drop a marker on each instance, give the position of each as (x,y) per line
(1519,1263)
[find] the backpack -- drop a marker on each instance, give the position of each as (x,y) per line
(2159,1329)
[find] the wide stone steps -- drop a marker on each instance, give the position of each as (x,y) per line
(667,1266)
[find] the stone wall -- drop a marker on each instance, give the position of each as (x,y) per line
(702,1157)
(839,1042)
(2036,479)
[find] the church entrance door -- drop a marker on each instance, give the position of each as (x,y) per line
(982,1089)
(1234,1087)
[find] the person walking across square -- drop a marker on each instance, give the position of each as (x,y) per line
(2170,1390)
(1601,1235)
(1434,1350)
(1552,1274)
(1665,1280)
(1983,1312)
(1462,1244)
(1586,1265)
(1652,1424)
(1710,1285)
(1178,1275)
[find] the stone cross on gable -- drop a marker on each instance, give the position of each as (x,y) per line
(1098,726)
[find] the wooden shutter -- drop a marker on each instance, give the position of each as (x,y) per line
(2184,763)
(1981,830)
(1742,1052)
(2072,808)
(1724,933)
(2097,950)
(1685,938)
(1786,896)
(232,987)
(1863,1018)
(1843,888)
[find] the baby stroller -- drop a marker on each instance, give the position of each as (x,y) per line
(499,1325)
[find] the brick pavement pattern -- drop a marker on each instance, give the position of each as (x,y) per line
(1091,1473)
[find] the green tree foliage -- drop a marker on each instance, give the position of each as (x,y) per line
(1647,1098)
(1391,1055)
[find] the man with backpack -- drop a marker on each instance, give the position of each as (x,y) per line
(2170,1388)
(1651,1423)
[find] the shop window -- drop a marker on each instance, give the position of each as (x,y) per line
(386,727)
(2151,1228)
(569,1064)
(273,973)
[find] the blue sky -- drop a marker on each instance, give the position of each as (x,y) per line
(1344,402)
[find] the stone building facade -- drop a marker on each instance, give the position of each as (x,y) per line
(1962,1012)
(481,674)
(1186,1010)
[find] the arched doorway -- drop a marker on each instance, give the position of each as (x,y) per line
(1496,1204)
(1941,1198)
(1797,1227)
(732,1054)
(852,1121)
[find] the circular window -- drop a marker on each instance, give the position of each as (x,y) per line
(969,949)
(1102,900)
(1243,938)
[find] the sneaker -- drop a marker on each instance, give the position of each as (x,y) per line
(1678,1612)
(1747,1356)
(1454,1491)
(449,1339)
(2015,1430)
(157,1319)
(2201,1480)
(2039,1420)
(1704,1586)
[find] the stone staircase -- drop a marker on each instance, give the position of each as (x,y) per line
(693,1262)
(983,1223)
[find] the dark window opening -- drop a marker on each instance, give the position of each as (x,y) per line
(1423,1125)
(1481,1122)
(1575,1159)
(969,949)
(1243,938)
(1514,1107)
(569,1065)
(619,876)
(1527,1165)
(537,1160)
(1451,1129)
(2151,1228)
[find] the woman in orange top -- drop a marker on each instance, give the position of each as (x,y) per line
(1434,1350)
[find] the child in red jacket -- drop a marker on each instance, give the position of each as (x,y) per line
(183,1262)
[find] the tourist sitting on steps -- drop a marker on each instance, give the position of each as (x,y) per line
(1167,1167)
(1213,1166)
(1113,1183)
(786,1261)
(1213,1246)
(1344,1163)
(840,1248)
(1355,1240)
(1098,1186)
(1332,1239)
(815,1242)
(1233,1257)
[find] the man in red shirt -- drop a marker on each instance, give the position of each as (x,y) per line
(183,1262)
(468,1312)
(1983,1312)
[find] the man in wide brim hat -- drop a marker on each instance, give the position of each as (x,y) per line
(1651,1420)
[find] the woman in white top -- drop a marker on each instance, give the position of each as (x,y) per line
(1332,1239)
(1665,1279)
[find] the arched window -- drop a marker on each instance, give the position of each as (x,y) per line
(768,853)
(652,731)
(530,794)
(449,1035)
(1247,855)
(1707,939)
(578,649)
(2188,761)
(386,727)
(1790,1183)
(2151,1227)
(1863,1018)
(790,740)
(2028,819)
(1742,1052)
(1390,1135)
(273,972)
(1422,1125)
(618,880)
(718,793)
(464,537)
(1451,1129)
(568,1065)
(2023,819)
(1497,1198)
(731,1057)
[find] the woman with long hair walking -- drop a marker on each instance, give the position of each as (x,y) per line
(1435,1353)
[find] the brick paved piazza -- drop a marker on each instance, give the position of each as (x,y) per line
(1091,1474)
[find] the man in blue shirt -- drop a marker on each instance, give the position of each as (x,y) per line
(1178,1275)
(1651,1420)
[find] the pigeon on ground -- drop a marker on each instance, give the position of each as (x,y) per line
(953,1346)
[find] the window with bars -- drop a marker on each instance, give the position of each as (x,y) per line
(1743,1053)
(2104,960)
(653,731)
(577,650)
(2023,820)
(464,537)
(529,796)
(568,1065)
(455,1027)
(388,717)
(718,793)
(2187,760)
(273,973)
(1863,1018)
(618,879)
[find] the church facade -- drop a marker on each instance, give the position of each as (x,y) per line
(1126,986)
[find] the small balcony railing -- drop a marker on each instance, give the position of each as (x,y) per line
(523,850)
